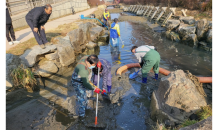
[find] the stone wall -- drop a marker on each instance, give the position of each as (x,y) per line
(59,9)
(183,29)
(54,58)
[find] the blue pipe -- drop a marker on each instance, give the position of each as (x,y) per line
(82,17)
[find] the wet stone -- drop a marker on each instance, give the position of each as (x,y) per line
(188,20)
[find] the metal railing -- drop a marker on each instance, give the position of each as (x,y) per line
(19,6)
(62,2)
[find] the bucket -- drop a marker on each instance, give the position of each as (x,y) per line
(82,16)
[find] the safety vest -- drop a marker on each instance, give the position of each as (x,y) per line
(106,15)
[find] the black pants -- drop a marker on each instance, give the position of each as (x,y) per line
(40,35)
(9,28)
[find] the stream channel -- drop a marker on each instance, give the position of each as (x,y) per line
(50,109)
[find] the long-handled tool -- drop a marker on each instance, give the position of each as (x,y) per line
(133,75)
(122,42)
(96,116)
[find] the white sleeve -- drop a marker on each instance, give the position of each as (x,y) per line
(152,47)
(138,57)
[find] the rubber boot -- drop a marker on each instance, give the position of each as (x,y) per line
(108,89)
(155,77)
(144,80)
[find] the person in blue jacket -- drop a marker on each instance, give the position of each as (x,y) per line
(115,34)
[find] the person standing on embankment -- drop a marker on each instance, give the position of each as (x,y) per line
(81,81)
(105,72)
(36,19)
(10,29)
(148,57)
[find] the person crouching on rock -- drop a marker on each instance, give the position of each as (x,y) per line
(36,19)
(80,81)
(105,73)
(148,57)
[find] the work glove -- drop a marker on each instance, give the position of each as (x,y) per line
(99,64)
(103,92)
(97,90)
(144,80)
(155,77)
(108,89)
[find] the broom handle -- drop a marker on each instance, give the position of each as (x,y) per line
(97,101)
(121,40)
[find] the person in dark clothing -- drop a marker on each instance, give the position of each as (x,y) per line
(36,19)
(10,29)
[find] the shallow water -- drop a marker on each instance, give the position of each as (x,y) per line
(173,56)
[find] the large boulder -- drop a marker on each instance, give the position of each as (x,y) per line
(104,38)
(66,54)
(63,40)
(33,55)
(96,32)
(12,62)
(46,68)
(86,29)
(188,20)
(176,98)
(52,56)
(184,30)
(191,40)
(77,38)
(209,36)
(172,24)
(205,124)
(202,28)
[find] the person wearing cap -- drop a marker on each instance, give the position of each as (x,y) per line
(148,57)
(80,80)
(105,73)
(106,16)
(9,27)
(36,19)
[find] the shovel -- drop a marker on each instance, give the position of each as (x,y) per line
(134,75)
